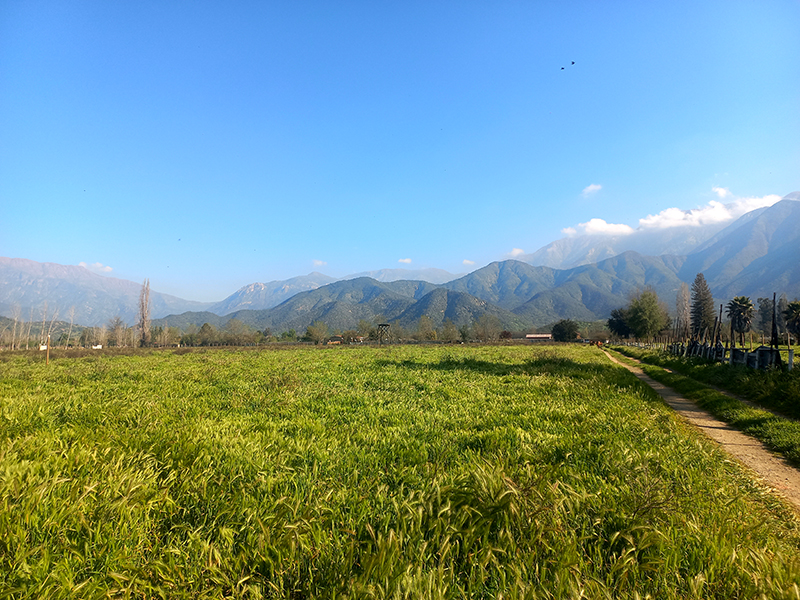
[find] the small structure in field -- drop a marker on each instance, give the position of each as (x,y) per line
(539,337)
(383,333)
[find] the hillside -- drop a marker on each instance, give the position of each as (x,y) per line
(258,296)
(26,285)
(342,304)
(754,256)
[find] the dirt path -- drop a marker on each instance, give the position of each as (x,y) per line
(773,469)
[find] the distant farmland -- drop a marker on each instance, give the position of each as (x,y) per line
(418,472)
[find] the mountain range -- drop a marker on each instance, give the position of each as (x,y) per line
(587,277)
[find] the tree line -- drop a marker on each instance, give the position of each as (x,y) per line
(646,316)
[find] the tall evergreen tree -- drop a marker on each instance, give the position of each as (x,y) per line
(702,306)
(763,320)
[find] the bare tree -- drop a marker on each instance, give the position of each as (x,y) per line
(682,304)
(487,328)
(44,322)
(116,327)
(15,312)
(30,324)
(101,335)
(71,319)
(144,314)
(52,323)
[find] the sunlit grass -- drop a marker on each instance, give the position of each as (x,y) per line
(774,389)
(372,472)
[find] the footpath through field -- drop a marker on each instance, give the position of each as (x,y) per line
(773,469)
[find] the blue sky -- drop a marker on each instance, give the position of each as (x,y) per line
(208,145)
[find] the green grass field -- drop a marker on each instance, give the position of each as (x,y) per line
(396,472)
(773,389)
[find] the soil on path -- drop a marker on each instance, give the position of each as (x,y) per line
(771,468)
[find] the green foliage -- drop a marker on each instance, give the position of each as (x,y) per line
(791,316)
(399,472)
(618,323)
(425,330)
(646,316)
(288,336)
(208,335)
(740,312)
(316,332)
(565,331)
(764,316)
(702,312)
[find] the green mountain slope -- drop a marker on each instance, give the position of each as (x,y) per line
(508,283)
(461,308)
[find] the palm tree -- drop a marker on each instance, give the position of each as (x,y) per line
(740,310)
(792,316)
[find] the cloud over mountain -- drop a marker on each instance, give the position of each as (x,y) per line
(599,227)
(672,231)
(96,267)
(713,212)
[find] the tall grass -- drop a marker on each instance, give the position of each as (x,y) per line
(774,389)
(777,432)
(400,472)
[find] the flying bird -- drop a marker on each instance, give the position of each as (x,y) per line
(573,62)
(562,68)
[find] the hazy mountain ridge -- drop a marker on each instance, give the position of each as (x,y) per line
(431,275)
(588,248)
(266,295)
(28,284)
(754,256)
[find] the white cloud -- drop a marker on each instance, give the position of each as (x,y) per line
(405,260)
(714,212)
(468,262)
(96,267)
(745,205)
(319,263)
(600,227)
(516,252)
(721,192)
(591,189)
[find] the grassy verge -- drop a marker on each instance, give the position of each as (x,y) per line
(777,390)
(778,433)
(402,472)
